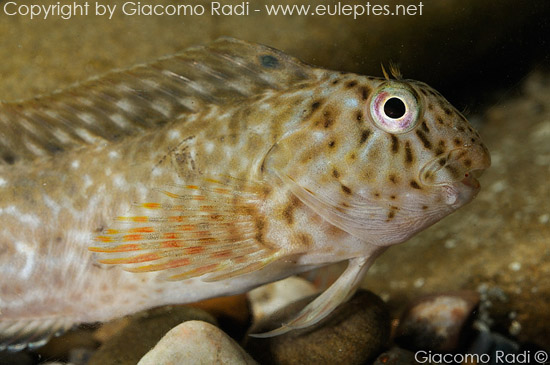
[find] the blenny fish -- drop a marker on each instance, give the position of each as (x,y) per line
(211,172)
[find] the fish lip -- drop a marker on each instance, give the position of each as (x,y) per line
(461,192)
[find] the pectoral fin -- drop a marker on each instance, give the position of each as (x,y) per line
(340,291)
(209,228)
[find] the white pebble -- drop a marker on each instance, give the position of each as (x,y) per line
(450,243)
(419,283)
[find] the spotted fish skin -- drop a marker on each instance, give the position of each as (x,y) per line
(212,172)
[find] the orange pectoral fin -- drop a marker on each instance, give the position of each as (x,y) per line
(201,229)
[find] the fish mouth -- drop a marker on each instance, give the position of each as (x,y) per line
(457,172)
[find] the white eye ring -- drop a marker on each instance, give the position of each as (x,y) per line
(395,109)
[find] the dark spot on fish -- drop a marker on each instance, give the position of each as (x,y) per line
(331,144)
(473,140)
(334,82)
(359,116)
(424,207)
(377,195)
(335,173)
(457,141)
(467,162)
(425,127)
(440,148)
(345,189)
(364,136)
(269,61)
(447,111)
(408,153)
(353,156)
(461,154)
(454,172)
(391,213)
(439,120)
(53,148)
(415,185)
(305,239)
(394,144)
(392,197)
(328,119)
(315,105)
(351,84)
(460,128)
(364,92)
(8,158)
(430,107)
(260,224)
(424,139)
(393,178)
(344,204)
(288,211)
(442,161)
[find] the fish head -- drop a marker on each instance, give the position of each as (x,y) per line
(381,159)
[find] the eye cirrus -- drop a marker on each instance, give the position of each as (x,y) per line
(394,109)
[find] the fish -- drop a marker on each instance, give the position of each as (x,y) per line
(211,172)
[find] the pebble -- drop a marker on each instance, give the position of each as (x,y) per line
(142,332)
(272,297)
(196,342)
(354,333)
(437,322)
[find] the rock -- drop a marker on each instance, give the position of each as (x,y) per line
(353,334)
(269,298)
(143,331)
(196,342)
(498,244)
(437,322)
(395,356)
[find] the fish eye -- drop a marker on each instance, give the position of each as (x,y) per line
(395,109)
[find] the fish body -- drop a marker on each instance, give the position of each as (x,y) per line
(209,173)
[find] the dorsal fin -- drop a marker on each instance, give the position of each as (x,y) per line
(125,102)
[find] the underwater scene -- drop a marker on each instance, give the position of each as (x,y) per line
(274,182)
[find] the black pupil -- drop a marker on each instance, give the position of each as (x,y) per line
(394,108)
